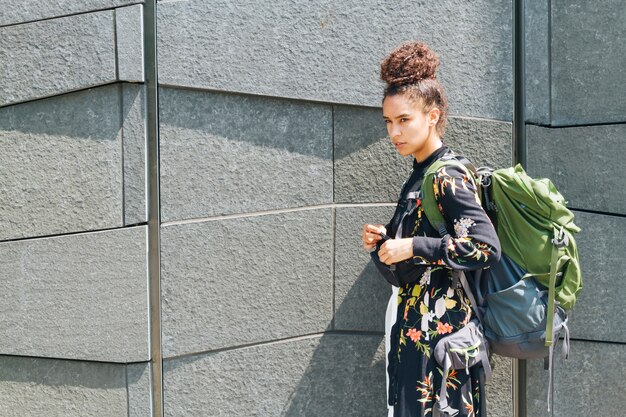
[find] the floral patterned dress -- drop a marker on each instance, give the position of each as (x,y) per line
(430,307)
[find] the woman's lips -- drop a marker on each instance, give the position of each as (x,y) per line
(399,144)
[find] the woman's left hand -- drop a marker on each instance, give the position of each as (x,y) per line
(396,250)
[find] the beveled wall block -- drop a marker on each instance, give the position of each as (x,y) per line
(38,387)
(590,383)
(46,9)
(499,392)
(368,168)
(227,153)
(61,164)
(328,52)
(129,36)
(135,159)
(139,389)
(329,375)
(588,61)
(585,164)
(81,296)
(245,280)
(56,56)
(361,293)
(537,65)
(592,319)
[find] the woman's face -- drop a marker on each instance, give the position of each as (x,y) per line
(411,130)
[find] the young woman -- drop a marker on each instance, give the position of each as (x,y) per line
(426,306)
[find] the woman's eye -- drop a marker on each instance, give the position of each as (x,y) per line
(404,119)
(387,121)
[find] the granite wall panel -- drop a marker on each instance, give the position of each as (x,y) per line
(368,168)
(226,153)
(81,296)
(585,164)
(588,62)
(139,389)
(326,51)
(129,37)
(499,391)
(601,299)
(45,9)
(56,56)
(591,382)
(61,164)
(329,375)
(37,387)
(537,69)
(135,158)
(361,293)
(245,280)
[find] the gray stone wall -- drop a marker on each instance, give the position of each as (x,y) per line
(273,153)
(74,313)
(576,130)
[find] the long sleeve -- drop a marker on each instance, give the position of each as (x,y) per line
(473,243)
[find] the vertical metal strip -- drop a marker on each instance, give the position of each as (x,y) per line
(519,83)
(154,209)
(520,157)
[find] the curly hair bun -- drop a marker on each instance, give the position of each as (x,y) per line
(408,64)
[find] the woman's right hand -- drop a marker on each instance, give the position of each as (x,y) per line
(371,235)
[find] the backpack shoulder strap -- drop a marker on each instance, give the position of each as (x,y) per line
(429,202)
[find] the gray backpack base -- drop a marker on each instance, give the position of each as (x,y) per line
(514,311)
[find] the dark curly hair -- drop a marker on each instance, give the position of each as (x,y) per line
(411,69)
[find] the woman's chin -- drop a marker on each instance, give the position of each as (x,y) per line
(404,152)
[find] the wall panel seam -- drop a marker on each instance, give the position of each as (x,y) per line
(277,341)
(275,211)
(45,19)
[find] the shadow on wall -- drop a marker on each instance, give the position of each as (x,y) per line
(346,375)
(64,373)
(93,114)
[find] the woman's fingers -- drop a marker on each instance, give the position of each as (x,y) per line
(395,250)
(370,236)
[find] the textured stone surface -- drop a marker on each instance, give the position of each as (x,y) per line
(326,51)
(135,160)
(244,280)
(590,383)
(361,293)
(139,387)
(225,153)
(499,391)
(332,376)
(585,164)
(44,9)
(61,164)
(56,56)
(368,169)
(588,61)
(602,298)
(81,296)
(37,387)
(484,142)
(129,36)
(537,71)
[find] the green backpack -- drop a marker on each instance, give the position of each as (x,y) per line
(539,255)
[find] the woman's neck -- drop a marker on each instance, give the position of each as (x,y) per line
(432,144)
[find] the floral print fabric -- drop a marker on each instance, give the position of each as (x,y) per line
(430,307)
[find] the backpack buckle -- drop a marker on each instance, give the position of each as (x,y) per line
(560,239)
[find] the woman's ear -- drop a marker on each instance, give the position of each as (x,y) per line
(433,116)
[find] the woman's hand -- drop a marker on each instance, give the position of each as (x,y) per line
(396,250)
(371,235)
